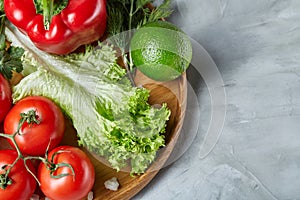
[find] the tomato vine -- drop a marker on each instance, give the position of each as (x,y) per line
(30,117)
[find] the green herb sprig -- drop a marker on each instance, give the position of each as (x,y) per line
(126,15)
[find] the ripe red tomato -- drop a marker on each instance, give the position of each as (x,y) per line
(70,187)
(34,138)
(5,97)
(23,183)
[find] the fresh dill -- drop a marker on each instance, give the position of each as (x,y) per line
(124,16)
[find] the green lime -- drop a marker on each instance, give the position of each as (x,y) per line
(161,51)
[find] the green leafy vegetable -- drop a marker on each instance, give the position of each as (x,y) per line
(11,61)
(10,58)
(112,118)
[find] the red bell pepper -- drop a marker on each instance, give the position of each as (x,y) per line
(77,22)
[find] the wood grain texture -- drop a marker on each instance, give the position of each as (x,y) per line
(174,93)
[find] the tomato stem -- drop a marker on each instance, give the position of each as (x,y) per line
(30,117)
(54,167)
(4,180)
(27,168)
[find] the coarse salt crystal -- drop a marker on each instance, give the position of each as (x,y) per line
(157,106)
(112,184)
(90,195)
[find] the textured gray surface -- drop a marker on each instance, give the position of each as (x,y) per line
(256,46)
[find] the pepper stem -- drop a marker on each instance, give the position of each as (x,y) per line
(49,8)
(47,12)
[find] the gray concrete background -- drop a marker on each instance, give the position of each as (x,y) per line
(256,47)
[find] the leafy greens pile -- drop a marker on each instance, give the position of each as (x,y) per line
(112,118)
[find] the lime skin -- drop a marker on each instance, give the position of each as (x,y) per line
(161,51)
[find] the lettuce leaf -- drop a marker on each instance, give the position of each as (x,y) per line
(112,118)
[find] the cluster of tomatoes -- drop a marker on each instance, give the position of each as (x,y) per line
(34,127)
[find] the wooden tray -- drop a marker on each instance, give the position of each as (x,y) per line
(174,93)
